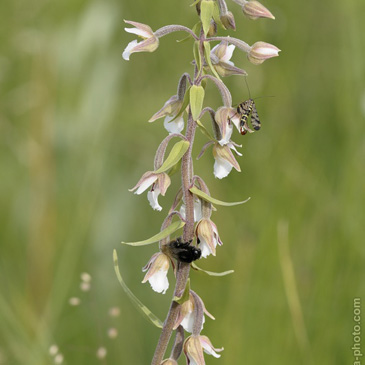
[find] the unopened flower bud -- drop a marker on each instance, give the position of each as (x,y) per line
(254,10)
(261,51)
(169,362)
(228,20)
(212,29)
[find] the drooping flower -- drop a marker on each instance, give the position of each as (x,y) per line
(169,362)
(208,238)
(157,268)
(150,41)
(194,346)
(224,159)
(221,56)
(224,117)
(186,314)
(261,51)
(159,184)
(170,109)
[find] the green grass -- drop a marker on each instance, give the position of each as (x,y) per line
(75,137)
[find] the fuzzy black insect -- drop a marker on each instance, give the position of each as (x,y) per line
(183,251)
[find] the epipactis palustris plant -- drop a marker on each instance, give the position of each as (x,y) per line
(192,207)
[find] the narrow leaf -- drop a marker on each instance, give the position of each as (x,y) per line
(207,58)
(216,16)
(196,100)
(159,236)
(177,151)
(208,198)
(211,273)
(194,3)
(197,55)
(206,14)
(137,303)
(185,295)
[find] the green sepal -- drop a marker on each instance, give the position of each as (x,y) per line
(173,227)
(137,303)
(206,14)
(204,130)
(184,104)
(211,273)
(177,152)
(207,58)
(208,198)
(196,100)
(185,295)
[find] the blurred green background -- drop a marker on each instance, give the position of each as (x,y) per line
(75,137)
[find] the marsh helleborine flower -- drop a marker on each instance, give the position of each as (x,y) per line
(194,346)
(254,10)
(208,238)
(224,159)
(149,43)
(170,109)
(159,184)
(157,268)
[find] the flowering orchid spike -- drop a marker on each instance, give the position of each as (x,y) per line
(194,346)
(221,56)
(150,41)
(261,51)
(207,236)
(224,160)
(157,268)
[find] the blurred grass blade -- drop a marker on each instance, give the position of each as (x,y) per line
(159,236)
(208,198)
(137,303)
(211,273)
(174,157)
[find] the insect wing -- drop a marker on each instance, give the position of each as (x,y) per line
(255,121)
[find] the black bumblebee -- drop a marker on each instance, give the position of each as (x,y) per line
(183,251)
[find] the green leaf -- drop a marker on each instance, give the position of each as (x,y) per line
(196,100)
(207,58)
(137,303)
(173,227)
(178,150)
(211,273)
(208,198)
(185,295)
(216,16)
(206,14)
(175,169)
(204,130)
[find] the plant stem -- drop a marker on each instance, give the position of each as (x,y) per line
(183,269)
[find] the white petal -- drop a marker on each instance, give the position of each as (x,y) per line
(188,322)
(225,139)
(140,32)
(146,184)
(221,168)
(209,350)
(128,50)
(198,215)
(232,147)
(174,127)
(152,197)
(204,248)
(192,362)
(159,282)
(228,54)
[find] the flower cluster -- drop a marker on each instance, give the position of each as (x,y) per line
(193,204)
